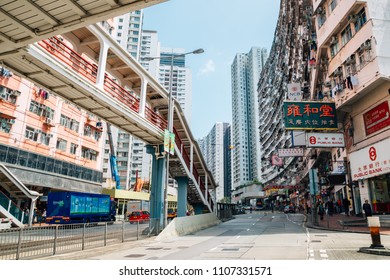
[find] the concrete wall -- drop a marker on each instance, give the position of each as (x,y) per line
(189,224)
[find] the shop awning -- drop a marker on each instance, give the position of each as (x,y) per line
(337,179)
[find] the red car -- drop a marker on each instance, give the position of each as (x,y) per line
(139,216)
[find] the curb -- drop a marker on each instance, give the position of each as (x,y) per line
(373,251)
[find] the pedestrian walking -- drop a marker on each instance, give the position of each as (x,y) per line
(346,204)
(367,209)
(329,206)
(321,210)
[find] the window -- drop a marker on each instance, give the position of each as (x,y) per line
(332,5)
(87,130)
(61,144)
(89,154)
(69,123)
(31,134)
(8,94)
(361,19)
(73,148)
(41,109)
(6,124)
(346,35)
(334,49)
(121,20)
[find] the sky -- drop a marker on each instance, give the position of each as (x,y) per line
(222,28)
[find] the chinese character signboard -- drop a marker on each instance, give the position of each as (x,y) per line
(326,140)
(310,115)
(377,118)
(371,161)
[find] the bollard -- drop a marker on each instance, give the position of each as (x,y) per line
(374,225)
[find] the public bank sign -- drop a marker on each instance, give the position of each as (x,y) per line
(310,115)
(371,161)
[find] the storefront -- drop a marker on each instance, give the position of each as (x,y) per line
(379,191)
(370,169)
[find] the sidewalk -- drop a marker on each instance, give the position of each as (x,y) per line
(341,222)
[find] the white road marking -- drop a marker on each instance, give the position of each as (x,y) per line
(238,236)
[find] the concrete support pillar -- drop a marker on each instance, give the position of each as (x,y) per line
(102,64)
(156,199)
(182,196)
(142,98)
(198,208)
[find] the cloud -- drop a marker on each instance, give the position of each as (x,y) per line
(208,67)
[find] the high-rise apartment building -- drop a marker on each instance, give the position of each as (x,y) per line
(216,149)
(245,74)
(181,78)
(128,31)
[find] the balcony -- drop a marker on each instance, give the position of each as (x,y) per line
(336,20)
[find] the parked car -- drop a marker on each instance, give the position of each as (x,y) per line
(171,213)
(5,223)
(139,216)
(289,209)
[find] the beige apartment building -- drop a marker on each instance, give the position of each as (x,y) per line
(353,69)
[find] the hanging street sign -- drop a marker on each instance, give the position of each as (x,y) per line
(294,92)
(293,152)
(325,140)
(309,115)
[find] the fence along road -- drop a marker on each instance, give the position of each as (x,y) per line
(40,241)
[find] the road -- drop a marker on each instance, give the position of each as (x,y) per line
(255,236)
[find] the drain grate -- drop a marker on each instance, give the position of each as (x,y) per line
(230,249)
(135,256)
(183,247)
(154,249)
(321,235)
(316,241)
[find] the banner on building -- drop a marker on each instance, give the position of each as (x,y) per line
(310,115)
(313,181)
(325,140)
(371,161)
(169,142)
(292,152)
(294,92)
(277,161)
(377,118)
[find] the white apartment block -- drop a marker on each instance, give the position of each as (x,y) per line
(245,74)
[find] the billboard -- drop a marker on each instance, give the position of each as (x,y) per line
(377,118)
(325,140)
(292,152)
(371,161)
(309,115)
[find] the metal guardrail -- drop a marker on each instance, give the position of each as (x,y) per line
(35,242)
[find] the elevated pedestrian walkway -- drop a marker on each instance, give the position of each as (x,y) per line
(18,191)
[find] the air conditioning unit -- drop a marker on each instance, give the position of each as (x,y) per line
(338,72)
(328,84)
(366,45)
(47,120)
(350,60)
(320,11)
(333,40)
(352,18)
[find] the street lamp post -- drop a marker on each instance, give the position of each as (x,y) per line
(170,123)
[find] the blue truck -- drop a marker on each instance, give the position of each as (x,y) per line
(75,207)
